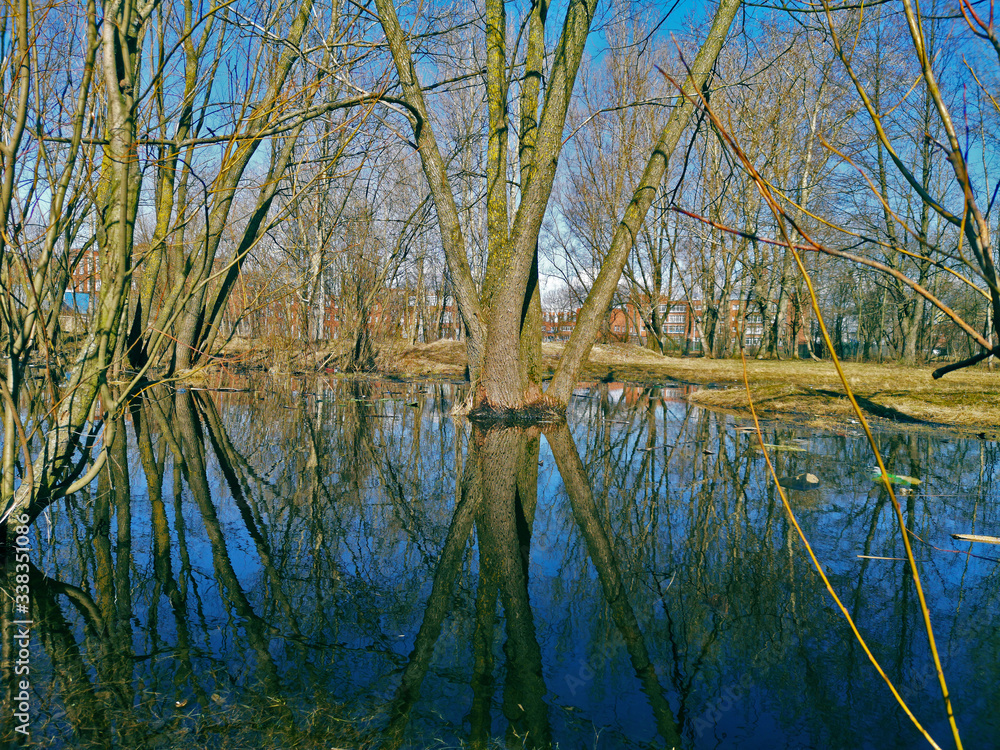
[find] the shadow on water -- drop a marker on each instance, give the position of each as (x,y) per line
(345,566)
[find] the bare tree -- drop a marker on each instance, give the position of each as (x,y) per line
(143,99)
(502,318)
(966,250)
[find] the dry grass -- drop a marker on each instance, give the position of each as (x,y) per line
(968,398)
(443,359)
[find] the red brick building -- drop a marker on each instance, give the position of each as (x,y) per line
(679,322)
(261,305)
(85,277)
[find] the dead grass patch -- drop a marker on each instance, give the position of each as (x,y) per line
(443,358)
(804,388)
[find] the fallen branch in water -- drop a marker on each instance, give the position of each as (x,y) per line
(976,538)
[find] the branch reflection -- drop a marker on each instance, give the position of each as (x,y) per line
(344,565)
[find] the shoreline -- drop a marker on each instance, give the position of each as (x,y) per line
(967,400)
(806,391)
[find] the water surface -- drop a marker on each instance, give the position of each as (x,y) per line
(347,566)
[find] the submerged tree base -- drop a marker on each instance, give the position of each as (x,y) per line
(542,411)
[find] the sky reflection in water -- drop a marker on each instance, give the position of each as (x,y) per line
(353,569)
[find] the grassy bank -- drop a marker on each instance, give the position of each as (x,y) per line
(968,399)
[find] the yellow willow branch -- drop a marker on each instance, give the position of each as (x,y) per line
(992,99)
(876,119)
(819,568)
(907,228)
(781,217)
(908,92)
(843,230)
(925,611)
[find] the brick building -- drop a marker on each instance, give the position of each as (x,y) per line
(261,305)
(679,321)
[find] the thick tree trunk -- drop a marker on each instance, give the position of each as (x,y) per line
(504,338)
(909,326)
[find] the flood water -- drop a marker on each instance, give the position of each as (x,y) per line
(347,566)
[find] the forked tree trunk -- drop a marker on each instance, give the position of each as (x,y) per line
(503,322)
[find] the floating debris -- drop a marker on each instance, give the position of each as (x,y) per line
(976,538)
(801,482)
(894,478)
(792,448)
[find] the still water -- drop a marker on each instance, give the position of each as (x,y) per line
(347,566)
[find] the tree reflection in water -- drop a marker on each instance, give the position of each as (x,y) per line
(348,567)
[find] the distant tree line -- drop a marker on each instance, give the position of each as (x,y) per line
(868,181)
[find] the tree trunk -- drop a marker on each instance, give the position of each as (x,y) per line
(504,335)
